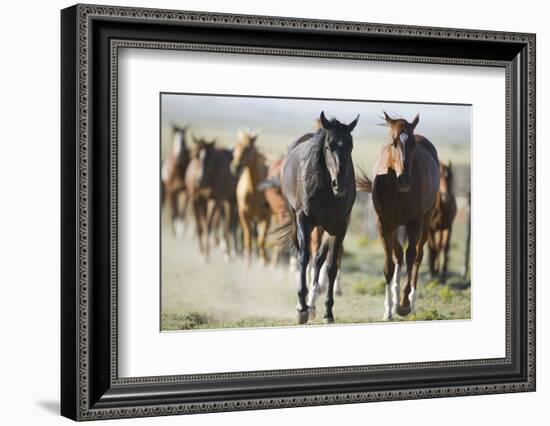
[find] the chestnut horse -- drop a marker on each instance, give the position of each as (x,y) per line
(271,187)
(404,190)
(173,178)
(442,223)
(250,167)
(319,191)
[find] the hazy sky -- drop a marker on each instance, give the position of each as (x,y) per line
(440,123)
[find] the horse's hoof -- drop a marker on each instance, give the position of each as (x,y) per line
(387,317)
(403,311)
(303,316)
(329,320)
(312,313)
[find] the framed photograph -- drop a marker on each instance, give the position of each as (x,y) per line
(263,212)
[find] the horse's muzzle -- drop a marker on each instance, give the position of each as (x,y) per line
(337,190)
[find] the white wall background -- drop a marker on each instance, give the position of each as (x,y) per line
(29,213)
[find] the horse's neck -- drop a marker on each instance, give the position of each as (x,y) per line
(256,169)
(314,169)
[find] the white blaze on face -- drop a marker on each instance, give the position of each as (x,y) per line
(202,154)
(403,138)
(178,140)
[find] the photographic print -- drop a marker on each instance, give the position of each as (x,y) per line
(291,211)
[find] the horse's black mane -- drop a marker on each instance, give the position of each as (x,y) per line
(314,171)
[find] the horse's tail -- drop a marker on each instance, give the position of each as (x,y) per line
(286,233)
(362,182)
(273,182)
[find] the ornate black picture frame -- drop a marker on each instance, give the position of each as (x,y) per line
(91,37)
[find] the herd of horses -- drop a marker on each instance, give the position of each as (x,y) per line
(305,199)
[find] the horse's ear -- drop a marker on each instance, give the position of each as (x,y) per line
(416,120)
(211,144)
(388,119)
(450,166)
(197,141)
(352,125)
(324,122)
(252,138)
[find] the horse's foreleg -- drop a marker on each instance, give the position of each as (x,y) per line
(439,250)
(433,252)
(303,229)
(198,213)
(263,227)
(424,233)
(247,243)
(446,243)
(181,213)
(173,199)
(211,209)
(397,256)
(332,270)
(386,235)
(318,263)
(228,220)
(413,234)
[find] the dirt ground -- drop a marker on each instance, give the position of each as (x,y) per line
(222,294)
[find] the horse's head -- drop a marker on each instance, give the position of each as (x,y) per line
(204,150)
(337,148)
(445,181)
(243,153)
(178,140)
(403,145)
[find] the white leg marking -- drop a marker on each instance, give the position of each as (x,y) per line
(388,305)
(309,274)
(412,299)
(323,278)
(293,264)
(396,287)
(179,227)
(312,299)
(337,284)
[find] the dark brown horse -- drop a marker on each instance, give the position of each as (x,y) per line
(217,183)
(404,190)
(214,193)
(319,190)
(439,240)
(173,178)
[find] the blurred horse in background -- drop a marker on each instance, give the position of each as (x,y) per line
(439,240)
(319,190)
(404,190)
(271,187)
(217,183)
(173,171)
(254,212)
(211,190)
